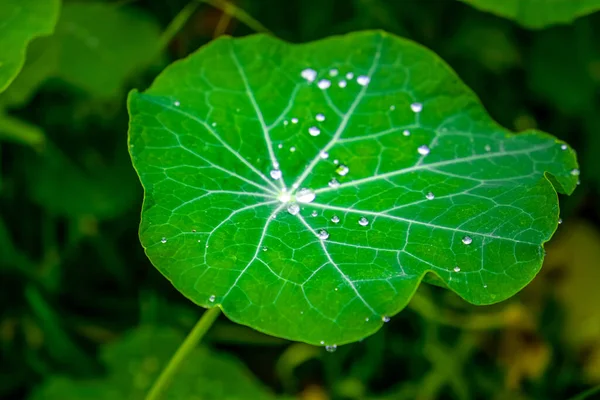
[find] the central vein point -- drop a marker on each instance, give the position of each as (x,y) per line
(284,197)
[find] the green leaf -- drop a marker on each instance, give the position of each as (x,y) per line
(102,45)
(20,22)
(537,14)
(136,360)
(409,172)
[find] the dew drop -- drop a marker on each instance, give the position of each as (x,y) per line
(342,170)
(335,219)
(363,80)
(285,122)
(324,155)
(333,183)
(265,248)
(392,107)
(336,162)
(430,196)
(309,74)
(323,234)
(280,145)
(406,132)
(305,196)
(367,319)
(293,209)
(457,269)
(563,147)
(385,318)
(176,104)
(275,174)
(363,221)
(324,84)
(212,298)
(213,124)
(322,342)
(485,286)
(423,150)
(575,172)
(292,149)
(333,72)
(294,120)
(342,84)
(349,76)
(314,131)
(560,221)
(467,240)
(314,213)
(416,107)
(163,240)
(331,348)
(488,148)
(320,117)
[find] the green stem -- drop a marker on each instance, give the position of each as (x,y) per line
(587,393)
(190,342)
(177,24)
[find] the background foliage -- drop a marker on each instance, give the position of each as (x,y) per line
(78,294)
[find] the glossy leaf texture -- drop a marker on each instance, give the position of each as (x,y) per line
(20,22)
(307,189)
(537,14)
(135,361)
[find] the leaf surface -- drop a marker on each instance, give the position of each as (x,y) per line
(537,14)
(20,22)
(408,172)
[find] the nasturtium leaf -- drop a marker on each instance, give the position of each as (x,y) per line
(307,189)
(537,14)
(20,22)
(135,361)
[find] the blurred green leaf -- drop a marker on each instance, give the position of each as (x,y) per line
(394,170)
(136,360)
(19,131)
(536,14)
(20,22)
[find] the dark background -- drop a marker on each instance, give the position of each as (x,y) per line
(74,278)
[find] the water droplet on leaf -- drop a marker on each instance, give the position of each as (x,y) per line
(324,154)
(323,234)
(314,213)
(314,131)
(349,76)
(430,196)
(333,183)
(212,298)
(163,240)
(457,269)
(385,318)
(575,172)
(331,348)
(294,120)
(333,72)
(309,74)
(324,84)
(342,170)
(416,107)
(423,150)
(293,209)
(305,196)
(177,104)
(363,221)
(335,219)
(320,117)
(406,132)
(342,84)
(275,174)
(363,80)
(467,240)
(563,147)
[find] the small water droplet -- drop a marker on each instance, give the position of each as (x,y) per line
(392,107)
(320,117)
(324,154)
(560,221)
(213,124)
(336,162)
(367,319)
(212,298)
(323,234)
(322,342)
(406,132)
(342,170)
(294,120)
(177,104)
(333,183)
(275,174)
(309,74)
(457,269)
(342,84)
(467,240)
(349,76)
(488,148)
(363,80)
(563,147)
(333,72)
(292,149)
(280,145)
(314,131)
(265,248)
(363,221)
(285,122)
(305,196)
(416,107)
(575,172)
(324,84)
(163,240)
(336,289)
(423,150)
(293,209)
(335,219)
(430,196)
(331,348)
(314,213)
(385,318)
(485,286)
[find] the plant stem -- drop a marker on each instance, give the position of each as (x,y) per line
(190,342)
(587,393)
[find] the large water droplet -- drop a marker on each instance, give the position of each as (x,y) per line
(423,150)
(305,196)
(314,131)
(416,107)
(457,269)
(363,221)
(275,174)
(331,348)
(293,209)
(309,74)
(323,234)
(324,84)
(320,117)
(212,298)
(467,240)
(163,240)
(363,80)
(430,196)
(334,183)
(335,219)
(342,170)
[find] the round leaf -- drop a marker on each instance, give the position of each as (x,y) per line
(307,189)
